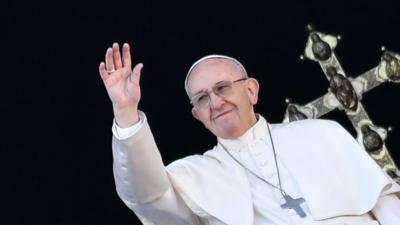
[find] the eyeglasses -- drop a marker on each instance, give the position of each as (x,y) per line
(222,89)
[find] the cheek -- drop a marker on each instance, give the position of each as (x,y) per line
(203,116)
(242,100)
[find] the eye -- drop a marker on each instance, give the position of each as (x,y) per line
(201,99)
(222,88)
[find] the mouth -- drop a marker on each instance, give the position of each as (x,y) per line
(222,114)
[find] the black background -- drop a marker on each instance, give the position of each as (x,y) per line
(56,132)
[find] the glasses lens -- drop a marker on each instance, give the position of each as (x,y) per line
(201,100)
(223,89)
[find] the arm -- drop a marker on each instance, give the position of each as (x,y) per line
(142,182)
(139,172)
(387,208)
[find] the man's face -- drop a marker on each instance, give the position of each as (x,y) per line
(226,117)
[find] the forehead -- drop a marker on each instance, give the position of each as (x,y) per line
(211,71)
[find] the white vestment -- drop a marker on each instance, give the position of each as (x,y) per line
(317,159)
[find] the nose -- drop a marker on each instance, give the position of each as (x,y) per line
(216,101)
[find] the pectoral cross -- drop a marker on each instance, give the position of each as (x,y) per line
(294,203)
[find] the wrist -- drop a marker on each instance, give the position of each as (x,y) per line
(126,117)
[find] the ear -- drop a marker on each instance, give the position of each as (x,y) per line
(195,113)
(252,90)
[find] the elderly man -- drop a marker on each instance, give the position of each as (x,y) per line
(306,172)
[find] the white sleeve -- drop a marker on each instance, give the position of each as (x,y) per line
(169,209)
(124,133)
(387,210)
(141,178)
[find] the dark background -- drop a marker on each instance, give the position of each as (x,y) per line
(56,135)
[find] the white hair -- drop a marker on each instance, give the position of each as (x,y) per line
(214,56)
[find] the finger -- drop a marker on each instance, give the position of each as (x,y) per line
(136,73)
(109,60)
(117,56)
(126,56)
(103,72)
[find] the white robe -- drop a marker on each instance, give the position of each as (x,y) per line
(337,179)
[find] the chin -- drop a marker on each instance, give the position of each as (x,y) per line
(227,132)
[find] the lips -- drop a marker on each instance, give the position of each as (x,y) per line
(221,114)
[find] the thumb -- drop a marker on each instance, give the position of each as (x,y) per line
(136,73)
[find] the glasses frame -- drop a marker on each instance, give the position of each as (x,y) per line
(208,93)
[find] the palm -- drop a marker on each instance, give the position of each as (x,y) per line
(123,89)
(123,84)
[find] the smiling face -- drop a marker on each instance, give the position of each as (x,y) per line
(226,117)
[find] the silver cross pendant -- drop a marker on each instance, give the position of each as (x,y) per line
(291,203)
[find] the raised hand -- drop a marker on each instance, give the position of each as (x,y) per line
(122,84)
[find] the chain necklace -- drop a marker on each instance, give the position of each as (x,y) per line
(290,203)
